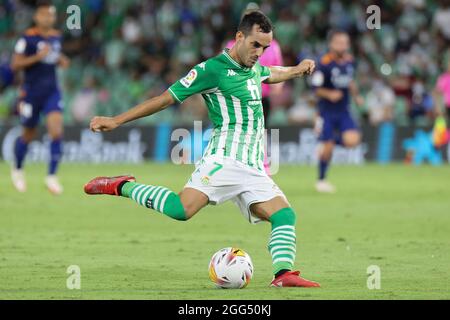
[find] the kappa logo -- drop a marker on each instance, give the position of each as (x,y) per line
(202,65)
(149,203)
(205,180)
(191,76)
(231,73)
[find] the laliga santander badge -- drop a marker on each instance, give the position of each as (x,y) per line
(191,76)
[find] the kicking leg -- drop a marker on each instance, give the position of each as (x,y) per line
(55,131)
(181,206)
(282,243)
(193,201)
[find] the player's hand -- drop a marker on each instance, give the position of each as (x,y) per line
(44,51)
(99,124)
(335,95)
(306,67)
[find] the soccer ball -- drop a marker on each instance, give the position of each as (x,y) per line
(231,268)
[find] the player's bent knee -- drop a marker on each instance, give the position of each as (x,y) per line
(174,208)
(181,215)
(188,212)
(290,215)
(352,139)
(177,214)
(285,216)
(192,202)
(353,142)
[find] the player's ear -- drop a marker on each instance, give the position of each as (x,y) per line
(240,36)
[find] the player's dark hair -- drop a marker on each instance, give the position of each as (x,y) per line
(252,18)
(43,3)
(334,32)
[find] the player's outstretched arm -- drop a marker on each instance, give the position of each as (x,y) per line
(280,74)
(144,109)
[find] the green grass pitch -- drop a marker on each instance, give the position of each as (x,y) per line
(396,217)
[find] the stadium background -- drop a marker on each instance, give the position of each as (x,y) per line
(127,51)
(394,216)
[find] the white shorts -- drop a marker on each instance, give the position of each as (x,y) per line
(223,179)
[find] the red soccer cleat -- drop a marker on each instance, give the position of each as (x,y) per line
(106,185)
(293,279)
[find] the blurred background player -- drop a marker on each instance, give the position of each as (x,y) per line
(271,57)
(38,53)
(333,82)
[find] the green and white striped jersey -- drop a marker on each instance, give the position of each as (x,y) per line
(233,96)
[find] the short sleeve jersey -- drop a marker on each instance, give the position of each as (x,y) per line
(331,74)
(41,76)
(233,97)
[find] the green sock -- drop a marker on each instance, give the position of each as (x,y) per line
(282,240)
(155,197)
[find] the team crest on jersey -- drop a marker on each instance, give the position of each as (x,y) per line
(205,180)
(191,76)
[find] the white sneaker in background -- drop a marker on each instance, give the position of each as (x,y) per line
(324,186)
(18,179)
(53,185)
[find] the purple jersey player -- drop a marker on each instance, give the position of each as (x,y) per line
(38,54)
(333,82)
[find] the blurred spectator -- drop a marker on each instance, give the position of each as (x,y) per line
(441,21)
(133,48)
(131,28)
(303,111)
(114,52)
(380,102)
(84,102)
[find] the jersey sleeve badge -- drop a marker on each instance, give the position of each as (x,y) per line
(189,78)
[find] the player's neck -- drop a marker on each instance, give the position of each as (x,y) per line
(44,31)
(338,58)
(233,54)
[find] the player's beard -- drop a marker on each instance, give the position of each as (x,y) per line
(245,58)
(251,61)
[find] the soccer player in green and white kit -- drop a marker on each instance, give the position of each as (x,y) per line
(232,165)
